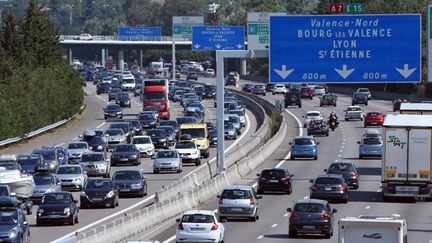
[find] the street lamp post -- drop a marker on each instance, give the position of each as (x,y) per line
(69,6)
(106,9)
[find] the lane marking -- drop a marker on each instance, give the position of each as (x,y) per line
(367,207)
(274,225)
(339,155)
(100,125)
(286,215)
(59,145)
(170,239)
(260,237)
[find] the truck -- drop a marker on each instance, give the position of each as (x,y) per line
(372,229)
(199,134)
(158,67)
(155,93)
(406,160)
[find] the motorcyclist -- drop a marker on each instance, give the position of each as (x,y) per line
(333,116)
(333,120)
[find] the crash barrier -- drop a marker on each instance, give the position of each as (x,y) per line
(189,192)
(10,141)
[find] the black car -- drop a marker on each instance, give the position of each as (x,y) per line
(171,134)
(138,89)
(113,93)
(125,154)
(359,98)
(293,99)
(209,92)
(102,88)
(186,120)
(328,99)
(259,90)
(212,136)
(14,225)
(199,116)
(230,80)
(311,216)
(57,207)
(96,143)
(147,121)
(99,192)
(192,75)
(248,88)
(113,111)
(137,126)
(159,138)
(30,162)
(276,179)
(348,170)
(127,128)
(329,187)
(44,182)
(269,87)
(172,123)
(130,182)
(124,100)
(53,156)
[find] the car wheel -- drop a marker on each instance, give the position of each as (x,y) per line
(222,218)
(360,156)
(361,119)
(366,104)
(155,172)
(321,105)
(113,204)
(130,106)
(327,134)
(356,187)
(292,157)
(239,132)
(352,103)
(121,117)
(117,203)
(179,171)
(254,218)
(292,233)
(38,223)
(327,235)
(290,189)
(77,219)
(105,117)
(29,211)
(299,106)
(387,198)
(206,155)
(107,175)
(346,119)
(259,191)
(72,221)
(315,157)
(273,93)
(198,162)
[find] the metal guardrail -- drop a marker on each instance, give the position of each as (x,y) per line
(39,131)
(116,38)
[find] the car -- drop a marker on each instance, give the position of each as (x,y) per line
(319,90)
(96,139)
(195,107)
(212,136)
(113,111)
(311,216)
(124,100)
(188,150)
(171,134)
(259,89)
(365,91)
(172,123)
(304,147)
(241,116)
(14,225)
(75,151)
(99,193)
(279,89)
(192,75)
(148,120)
(71,177)
(96,164)
(209,73)
(371,147)
(329,187)
(354,112)
(53,156)
(328,99)
(177,95)
(136,125)
(292,99)
(84,36)
(125,154)
(200,226)
(248,88)
(230,105)
(167,160)
(318,127)
(397,103)
(269,87)
(187,96)
(44,182)
(311,116)
(159,138)
(102,88)
(235,120)
(372,133)
(127,127)
(373,118)
(113,93)
(230,131)
(275,179)
(57,207)
(30,162)
(231,79)
(348,170)
(130,182)
(239,201)
(359,98)
(186,120)
(144,144)
(138,89)
(306,93)
(114,137)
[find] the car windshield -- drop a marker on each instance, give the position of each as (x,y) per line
(67,170)
(319,87)
(309,208)
(113,107)
(228,126)
(310,114)
(194,132)
(8,217)
(354,109)
(28,160)
(157,133)
(141,140)
(128,81)
(363,90)
(233,119)
(41,180)
(198,218)
(114,132)
(77,146)
(46,154)
(9,165)
(341,167)
(303,141)
(236,194)
(92,157)
(122,126)
(135,123)
(95,184)
(125,148)
(127,175)
(328,181)
(373,114)
(213,132)
(56,198)
(168,129)
(185,145)
(278,174)
(146,117)
(168,123)
(372,141)
(166,154)
(154,96)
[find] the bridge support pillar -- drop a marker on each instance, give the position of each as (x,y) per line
(103,57)
(70,56)
(243,67)
(140,58)
(120,60)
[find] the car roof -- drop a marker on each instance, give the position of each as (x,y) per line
(208,212)
(313,112)
(238,187)
(310,201)
(354,106)
(71,165)
(338,176)
(298,137)
(342,162)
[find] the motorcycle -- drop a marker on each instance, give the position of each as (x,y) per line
(333,123)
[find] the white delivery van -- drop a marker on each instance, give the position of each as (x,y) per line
(372,229)
(128,82)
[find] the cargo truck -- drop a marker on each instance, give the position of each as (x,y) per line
(372,229)
(406,161)
(155,93)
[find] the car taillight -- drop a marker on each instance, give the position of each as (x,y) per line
(214,227)
(293,215)
(354,174)
(325,216)
(252,201)
(341,188)
(314,188)
(284,180)
(180,227)
(262,179)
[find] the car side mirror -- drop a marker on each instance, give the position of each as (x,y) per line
(325,170)
(25,223)
(218,196)
(311,181)
(358,142)
(290,143)
(80,136)
(334,210)
(289,210)
(258,174)
(318,143)
(178,220)
(224,220)
(291,175)
(75,201)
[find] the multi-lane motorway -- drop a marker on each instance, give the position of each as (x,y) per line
(341,145)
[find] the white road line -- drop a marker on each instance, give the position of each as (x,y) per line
(340,151)
(260,237)
(286,215)
(170,239)
(274,225)
(58,145)
(367,207)
(339,155)
(306,197)
(100,125)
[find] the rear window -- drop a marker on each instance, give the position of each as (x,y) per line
(373,114)
(328,181)
(278,174)
(303,141)
(236,194)
(197,218)
(309,208)
(341,167)
(372,141)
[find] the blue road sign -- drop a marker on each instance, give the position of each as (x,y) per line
(345,49)
(139,33)
(213,38)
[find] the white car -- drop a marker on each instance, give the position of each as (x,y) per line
(319,90)
(200,226)
(354,112)
(209,72)
(279,89)
(144,144)
(128,82)
(76,150)
(85,36)
(311,116)
(189,152)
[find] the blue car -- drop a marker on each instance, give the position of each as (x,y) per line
(304,147)
(14,225)
(371,147)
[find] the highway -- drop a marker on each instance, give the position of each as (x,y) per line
(93,117)
(341,145)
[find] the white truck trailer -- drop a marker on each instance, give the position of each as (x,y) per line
(372,229)
(406,161)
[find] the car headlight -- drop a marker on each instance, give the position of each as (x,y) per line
(110,194)
(195,152)
(133,156)
(13,233)
(83,194)
(230,133)
(136,186)
(99,147)
(66,211)
(40,210)
(162,140)
(77,180)
(119,112)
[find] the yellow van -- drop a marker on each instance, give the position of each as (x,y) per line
(199,134)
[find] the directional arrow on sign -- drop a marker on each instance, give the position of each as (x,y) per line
(239,46)
(218,46)
(283,72)
(344,72)
(406,72)
(197,46)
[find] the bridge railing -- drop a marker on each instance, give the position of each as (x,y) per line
(123,38)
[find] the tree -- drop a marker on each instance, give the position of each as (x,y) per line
(142,13)
(179,8)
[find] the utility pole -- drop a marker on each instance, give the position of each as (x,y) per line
(69,6)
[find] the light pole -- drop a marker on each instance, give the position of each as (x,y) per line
(80,9)
(106,9)
(69,6)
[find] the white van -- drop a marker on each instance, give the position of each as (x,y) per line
(128,82)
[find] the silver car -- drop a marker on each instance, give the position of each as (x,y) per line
(354,112)
(44,182)
(71,176)
(167,160)
(238,201)
(241,116)
(75,151)
(95,164)
(115,136)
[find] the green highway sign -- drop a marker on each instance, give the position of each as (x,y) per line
(259,30)
(182,26)
(354,8)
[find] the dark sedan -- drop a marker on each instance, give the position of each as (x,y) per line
(359,98)
(348,171)
(259,90)
(329,187)
(186,120)
(103,88)
(159,138)
(147,120)
(97,144)
(113,111)
(57,207)
(248,88)
(192,75)
(172,123)
(124,100)
(311,216)
(114,93)
(209,92)
(130,182)
(99,192)
(171,134)
(125,154)
(212,136)
(137,126)
(276,179)
(29,162)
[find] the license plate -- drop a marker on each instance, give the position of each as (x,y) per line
(55,216)
(97,199)
(123,159)
(125,190)
(197,229)
(407,188)
(308,226)
(328,188)
(236,209)
(273,181)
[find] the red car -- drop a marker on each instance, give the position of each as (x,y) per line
(306,92)
(374,118)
